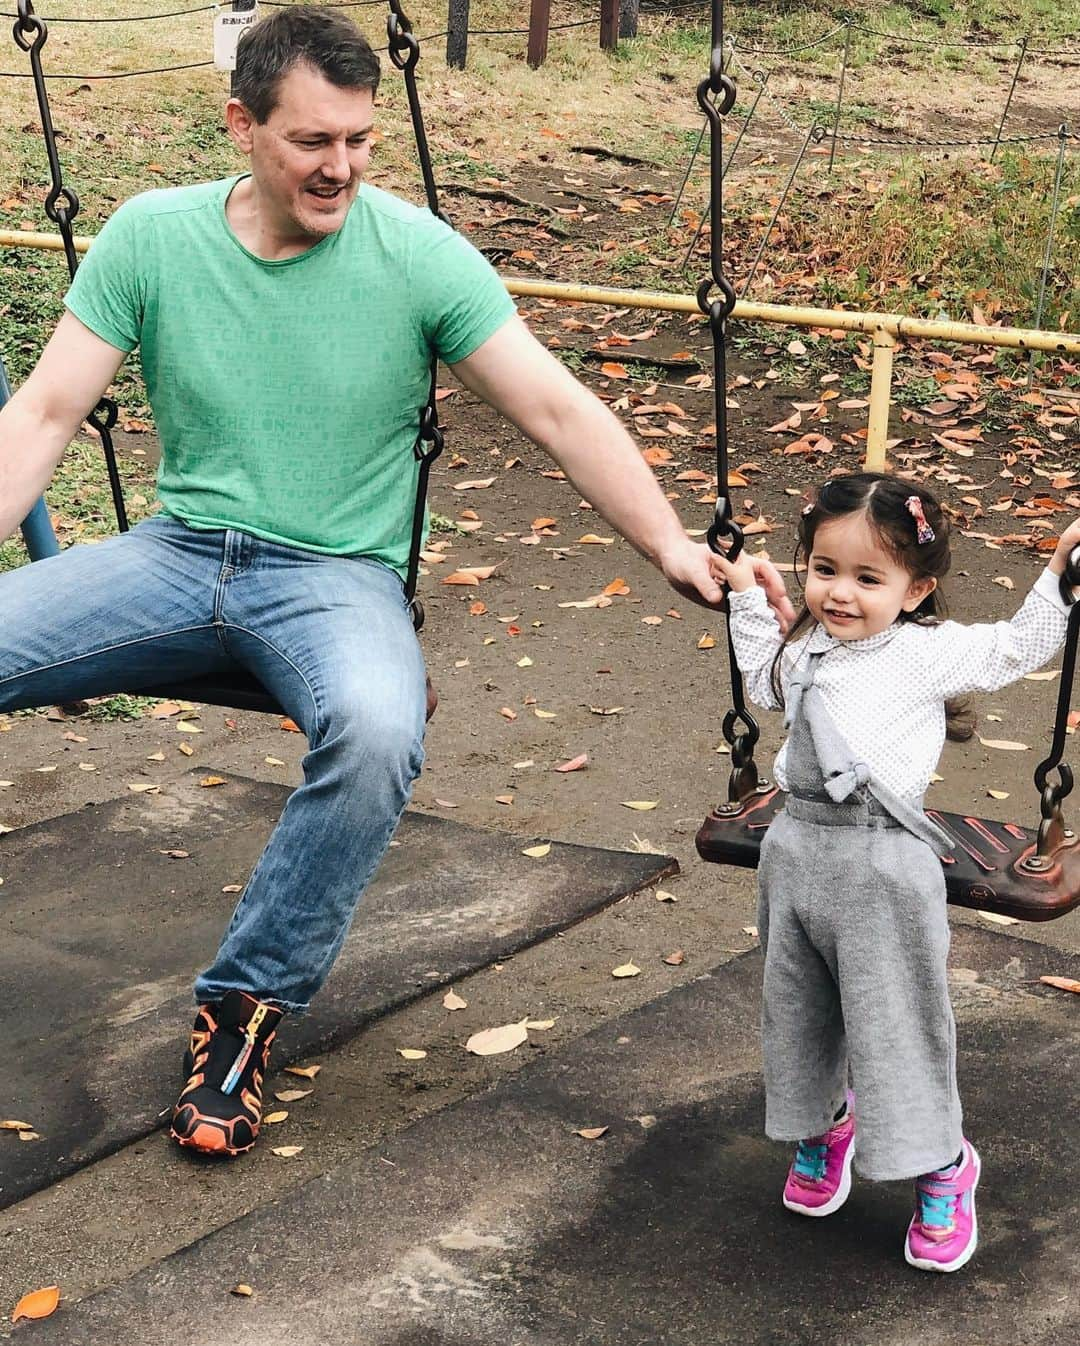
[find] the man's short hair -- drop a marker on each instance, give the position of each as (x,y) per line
(321,38)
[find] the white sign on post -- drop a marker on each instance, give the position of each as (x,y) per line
(227,30)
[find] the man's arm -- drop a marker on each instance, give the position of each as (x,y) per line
(42,418)
(525,383)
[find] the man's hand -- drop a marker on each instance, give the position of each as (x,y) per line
(688,569)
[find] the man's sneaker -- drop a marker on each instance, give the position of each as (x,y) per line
(819,1180)
(943,1231)
(220,1108)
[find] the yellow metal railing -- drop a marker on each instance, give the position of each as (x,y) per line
(887,329)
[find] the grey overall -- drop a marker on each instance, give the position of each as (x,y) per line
(853,923)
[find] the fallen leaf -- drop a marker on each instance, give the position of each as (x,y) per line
(493,1041)
(37,1304)
(662,896)
(507,713)
(1004,744)
(998,794)
(625,970)
(143,788)
(675,959)
(452,1001)
(706,642)
(411,1053)
(477,609)
(1004,581)
(208,782)
(750,930)
(273,1118)
(305,1072)
(540,1025)
(524,662)
(1062,983)
(292,1095)
(273,761)
(155,757)
(591,538)
(612,370)
(1047,675)
(183,727)
(87,766)
(287,1151)
(473,485)
(642,805)
(233,888)
(186,749)
(461,577)
(575,763)
(537,852)
(176,855)
(15,1126)
(543,714)
(592,1132)
(996,918)
(290,726)
(244,1291)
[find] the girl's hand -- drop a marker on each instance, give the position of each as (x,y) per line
(746,571)
(1069,540)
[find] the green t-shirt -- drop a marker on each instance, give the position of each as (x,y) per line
(287,394)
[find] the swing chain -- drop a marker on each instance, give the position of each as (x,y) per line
(716,97)
(404,50)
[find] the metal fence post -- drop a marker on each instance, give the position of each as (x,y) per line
(628,17)
(1008,101)
(840,92)
(609,24)
(815,135)
(539,21)
(1063,135)
(457,35)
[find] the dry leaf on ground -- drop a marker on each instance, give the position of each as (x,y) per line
(1003,744)
(592,1132)
(452,1001)
(537,852)
(625,970)
(1062,983)
(411,1053)
(493,1041)
(37,1304)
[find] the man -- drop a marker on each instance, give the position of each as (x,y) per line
(286,319)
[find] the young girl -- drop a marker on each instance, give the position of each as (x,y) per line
(852,895)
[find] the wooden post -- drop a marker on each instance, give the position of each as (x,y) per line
(457,36)
(609,24)
(877,432)
(628,17)
(539,20)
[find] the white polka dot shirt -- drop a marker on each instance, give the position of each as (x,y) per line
(887,693)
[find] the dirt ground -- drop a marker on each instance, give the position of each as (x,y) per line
(530,683)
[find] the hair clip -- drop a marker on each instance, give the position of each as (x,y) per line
(923,531)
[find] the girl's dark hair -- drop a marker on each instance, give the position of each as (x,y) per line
(329,42)
(884,500)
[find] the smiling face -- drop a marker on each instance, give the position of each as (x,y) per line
(854,587)
(307,159)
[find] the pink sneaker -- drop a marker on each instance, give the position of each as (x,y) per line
(943,1231)
(819,1180)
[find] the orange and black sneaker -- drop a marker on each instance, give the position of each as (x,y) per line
(220,1108)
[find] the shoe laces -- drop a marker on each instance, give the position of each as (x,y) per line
(937,1204)
(810,1156)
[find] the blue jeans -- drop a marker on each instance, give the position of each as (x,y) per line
(329,637)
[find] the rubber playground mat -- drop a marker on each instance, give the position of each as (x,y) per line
(103,927)
(496,1225)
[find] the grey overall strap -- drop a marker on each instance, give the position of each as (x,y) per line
(844,774)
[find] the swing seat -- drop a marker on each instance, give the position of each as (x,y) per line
(994,867)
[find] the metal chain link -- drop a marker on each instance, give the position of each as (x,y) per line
(716,97)
(62,206)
